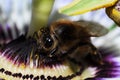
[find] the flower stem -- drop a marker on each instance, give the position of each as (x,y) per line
(40,13)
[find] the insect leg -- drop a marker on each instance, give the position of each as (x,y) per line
(88,54)
(95,54)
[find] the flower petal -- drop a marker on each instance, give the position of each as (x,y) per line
(82,6)
(111,67)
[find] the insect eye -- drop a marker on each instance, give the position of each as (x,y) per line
(47,41)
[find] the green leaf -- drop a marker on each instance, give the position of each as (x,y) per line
(82,6)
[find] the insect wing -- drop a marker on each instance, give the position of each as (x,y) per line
(92,28)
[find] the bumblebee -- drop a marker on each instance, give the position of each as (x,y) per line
(63,37)
(52,45)
(73,38)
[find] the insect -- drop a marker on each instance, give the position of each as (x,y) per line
(74,38)
(50,46)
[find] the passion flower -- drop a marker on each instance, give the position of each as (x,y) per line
(47,55)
